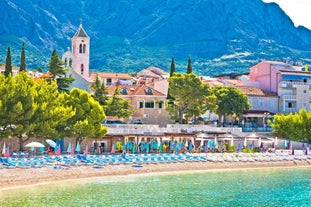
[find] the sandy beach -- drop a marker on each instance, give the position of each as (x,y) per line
(12,178)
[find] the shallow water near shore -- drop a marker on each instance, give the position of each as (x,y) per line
(248,187)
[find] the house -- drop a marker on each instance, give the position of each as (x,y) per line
(148,103)
(291,84)
(15,70)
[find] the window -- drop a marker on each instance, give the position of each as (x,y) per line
(305,80)
(141,105)
(80,48)
(66,61)
(290,105)
(82,69)
(108,81)
(70,62)
(149,105)
(124,91)
(304,91)
(84,46)
(149,91)
(160,105)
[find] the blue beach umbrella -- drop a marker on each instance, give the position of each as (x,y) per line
(78,147)
(147,147)
(134,148)
(190,147)
(42,148)
(69,148)
(129,145)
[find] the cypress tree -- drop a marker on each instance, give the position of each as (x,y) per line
(172,70)
(8,63)
(23,59)
(189,67)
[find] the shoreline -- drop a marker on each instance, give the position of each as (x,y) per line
(20,178)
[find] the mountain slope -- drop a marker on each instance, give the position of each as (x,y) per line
(220,36)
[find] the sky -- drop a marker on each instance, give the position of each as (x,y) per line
(298,10)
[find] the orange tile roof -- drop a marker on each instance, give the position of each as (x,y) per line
(253,91)
(135,90)
(14,68)
(109,75)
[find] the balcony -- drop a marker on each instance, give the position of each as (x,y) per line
(289,97)
(290,110)
(293,84)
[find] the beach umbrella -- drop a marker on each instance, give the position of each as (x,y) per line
(259,142)
(51,143)
(78,147)
(34,144)
(42,148)
(86,152)
(147,147)
(58,150)
(72,152)
(245,143)
(190,147)
(69,148)
(134,148)
(112,149)
(4,149)
(7,152)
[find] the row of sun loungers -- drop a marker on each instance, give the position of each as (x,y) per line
(141,159)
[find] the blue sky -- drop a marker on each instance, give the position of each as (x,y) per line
(298,10)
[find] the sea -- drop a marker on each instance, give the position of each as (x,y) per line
(246,187)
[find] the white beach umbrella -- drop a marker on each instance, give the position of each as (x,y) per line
(34,144)
(51,143)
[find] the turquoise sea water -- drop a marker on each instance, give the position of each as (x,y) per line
(260,187)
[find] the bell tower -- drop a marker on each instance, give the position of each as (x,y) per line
(81,52)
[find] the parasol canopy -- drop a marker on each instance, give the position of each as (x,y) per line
(51,143)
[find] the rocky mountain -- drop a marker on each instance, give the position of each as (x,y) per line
(220,36)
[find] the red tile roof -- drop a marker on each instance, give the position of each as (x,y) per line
(253,91)
(109,75)
(135,90)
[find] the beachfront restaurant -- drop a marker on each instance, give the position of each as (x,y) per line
(202,141)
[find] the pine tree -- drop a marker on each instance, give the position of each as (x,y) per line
(56,67)
(23,59)
(189,67)
(8,63)
(172,71)
(58,72)
(100,92)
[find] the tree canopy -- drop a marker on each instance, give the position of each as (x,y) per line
(87,121)
(8,63)
(296,127)
(58,71)
(37,109)
(23,59)
(117,106)
(189,66)
(100,92)
(229,101)
(191,96)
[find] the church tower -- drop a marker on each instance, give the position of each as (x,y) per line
(81,52)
